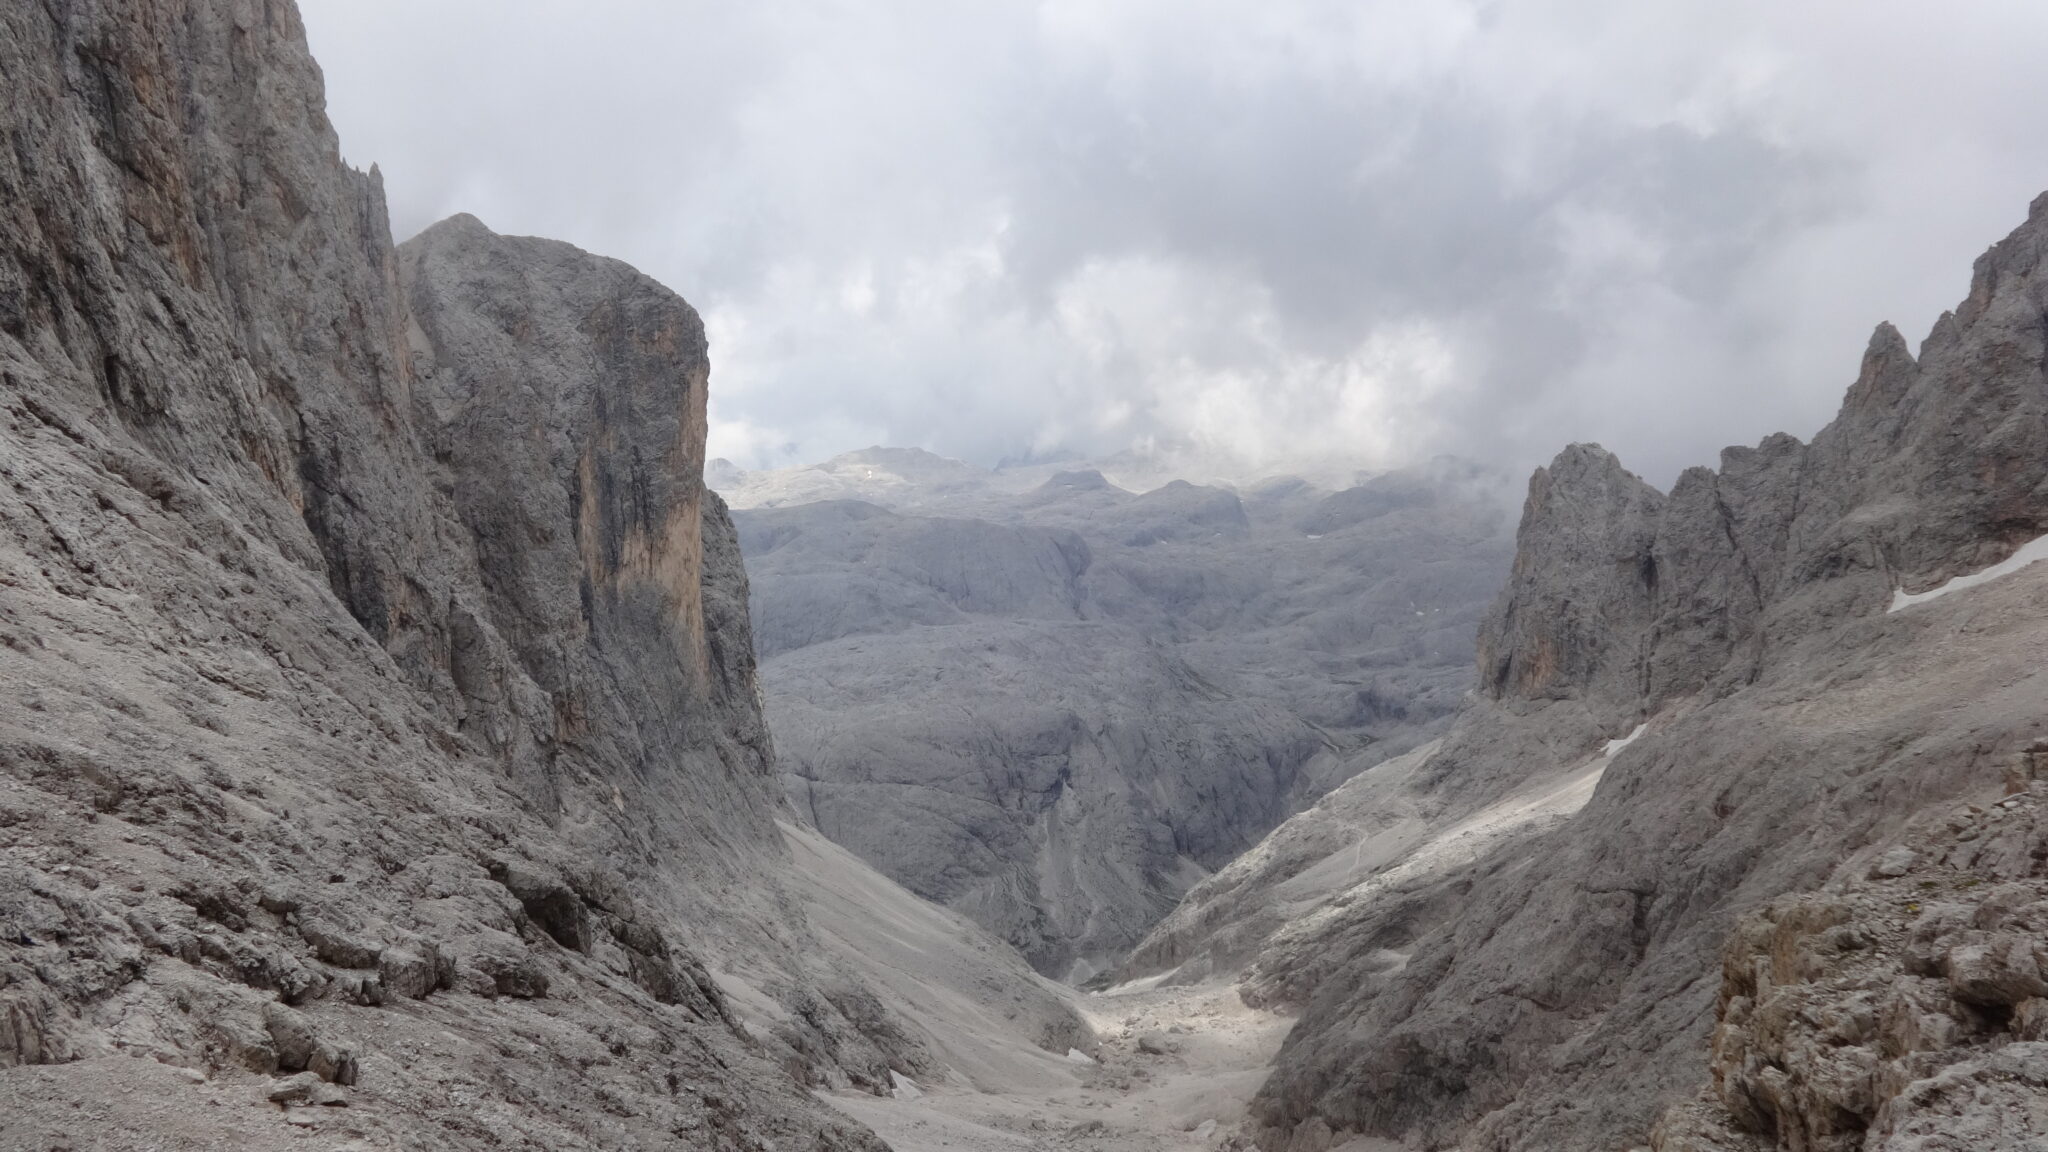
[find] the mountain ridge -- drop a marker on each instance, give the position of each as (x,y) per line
(1055,705)
(1556,991)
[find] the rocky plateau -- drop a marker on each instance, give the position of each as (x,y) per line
(1054,704)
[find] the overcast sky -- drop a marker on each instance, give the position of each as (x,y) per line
(1272,233)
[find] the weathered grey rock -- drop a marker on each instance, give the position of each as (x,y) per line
(1833,1031)
(1998,1102)
(376,690)
(300,1049)
(296,1089)
(1894,863)
(1583,586)
(1558,999)
(1156,1044)
(1055,705)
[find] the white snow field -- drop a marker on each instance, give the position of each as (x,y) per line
(2032,550)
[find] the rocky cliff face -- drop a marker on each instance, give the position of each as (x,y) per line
(568,394)
(1792,725)
(1582,589)
(1055,705)
(378,722)
(1903,1006)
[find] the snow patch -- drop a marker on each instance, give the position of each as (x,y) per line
(1076,1056)
(1617,745)
(1466,841)
(1141,984)
(2032,550)
(903,1087)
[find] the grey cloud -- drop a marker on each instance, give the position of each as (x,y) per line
(1293,233)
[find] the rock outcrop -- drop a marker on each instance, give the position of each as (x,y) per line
(1902,1006)
(1567,994)
(378,719)
(1055,705)
(1583,588)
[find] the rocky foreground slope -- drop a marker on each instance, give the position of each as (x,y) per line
(1054,705)
(378,716)
(1778,718)
(1903,1007)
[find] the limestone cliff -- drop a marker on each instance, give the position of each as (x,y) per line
(378,722)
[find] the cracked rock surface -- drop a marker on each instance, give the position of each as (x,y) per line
(379,729)
(1891,1012)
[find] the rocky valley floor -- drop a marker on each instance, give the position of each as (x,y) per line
(1175,1069)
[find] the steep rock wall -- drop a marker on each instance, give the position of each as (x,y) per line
(376,698)
(1563,996)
